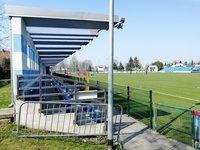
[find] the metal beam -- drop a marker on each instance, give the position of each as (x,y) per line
(51,56)
(74,35)
(56,53)
(52,38)
(59,23)
(58,48)
(60,43)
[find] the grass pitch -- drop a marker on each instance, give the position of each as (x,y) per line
(179,89)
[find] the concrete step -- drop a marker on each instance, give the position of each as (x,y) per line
(6,113)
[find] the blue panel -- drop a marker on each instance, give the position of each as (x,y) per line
(20,43)
(20,72)
(24,45)
(31,71)
(31,53)
(17,43)
(33,57)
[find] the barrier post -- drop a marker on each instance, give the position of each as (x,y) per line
(128,99)
(97,85)
(151,109)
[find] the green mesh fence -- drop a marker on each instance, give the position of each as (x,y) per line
(135,102)
(174,122)
(140,106)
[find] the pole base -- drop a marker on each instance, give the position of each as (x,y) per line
(110,144)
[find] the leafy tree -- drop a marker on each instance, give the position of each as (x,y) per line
(115,64)
(191,63)
(186,63)
(136,63)
(115,67)
(1,72)
(130,64)
(159,64)
(120,67)
(90,68)
(4,68)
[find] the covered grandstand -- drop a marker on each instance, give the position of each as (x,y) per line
(181,69)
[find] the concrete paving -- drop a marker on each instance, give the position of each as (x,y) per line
(136,136)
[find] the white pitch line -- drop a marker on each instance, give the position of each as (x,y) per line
(191,99)
(186,98)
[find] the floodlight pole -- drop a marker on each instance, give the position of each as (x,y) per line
(110,75)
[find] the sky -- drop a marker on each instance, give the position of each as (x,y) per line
(164,30)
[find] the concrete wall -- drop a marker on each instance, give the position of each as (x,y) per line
(24,57)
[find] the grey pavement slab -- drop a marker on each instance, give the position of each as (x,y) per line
(137,136)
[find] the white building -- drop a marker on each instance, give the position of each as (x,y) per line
(152,68)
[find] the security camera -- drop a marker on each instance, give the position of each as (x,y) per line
(119,25)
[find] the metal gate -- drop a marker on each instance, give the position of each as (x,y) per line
(43,119)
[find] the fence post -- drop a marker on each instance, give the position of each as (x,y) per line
(18,78)
(97,85)
(40,84)
(155,107)
(105,95)
(151,109)
(75,98)
(128,99)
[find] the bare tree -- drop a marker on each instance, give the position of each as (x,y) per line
(4,30)
(73,64)
(85,65)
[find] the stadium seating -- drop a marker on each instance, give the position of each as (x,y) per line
(177,69)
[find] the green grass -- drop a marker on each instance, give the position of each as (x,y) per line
(11,142)
(5,96)
(183,85)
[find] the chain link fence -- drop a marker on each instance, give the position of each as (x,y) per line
(137,103)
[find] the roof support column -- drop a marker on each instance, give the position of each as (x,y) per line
(17,52)
(110,74)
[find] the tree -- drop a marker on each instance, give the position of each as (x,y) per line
(191,63)
(130,64)
(120,67)
(6,63)
(4,31)
(136,63)
(73,64)
(84,65)
(159,64)
(175,62)
(115,67)
(90,68)
(1,72)
(186,63)
(115,64)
